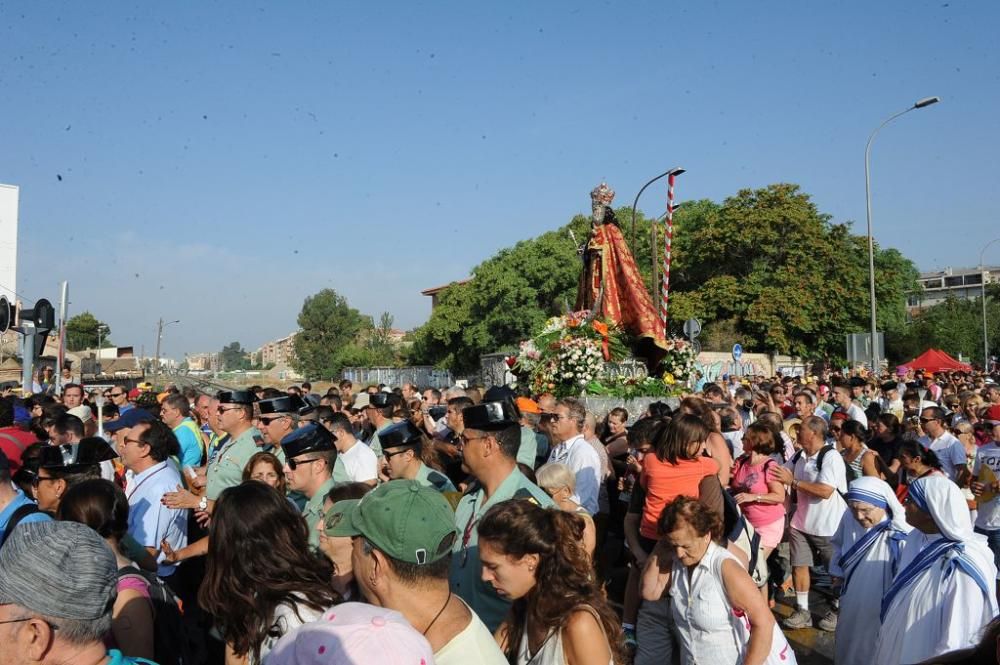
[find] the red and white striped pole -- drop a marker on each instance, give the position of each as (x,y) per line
(668,236)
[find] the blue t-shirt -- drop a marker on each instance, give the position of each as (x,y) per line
(117,658)
(18,501)
(190,441)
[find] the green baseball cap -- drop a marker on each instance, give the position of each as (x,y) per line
(405,519)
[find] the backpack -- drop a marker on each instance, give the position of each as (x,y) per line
(15,519)
(819,461)
(171,646)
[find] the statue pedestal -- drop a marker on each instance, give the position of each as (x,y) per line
(600,405)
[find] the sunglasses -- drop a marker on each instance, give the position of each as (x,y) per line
(268,421)
(928,420)
(223,409)
(294,464)
(389,455)
(37,480)
(115,394)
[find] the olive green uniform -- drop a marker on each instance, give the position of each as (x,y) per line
(466,569)
(431,478)
(226,468)
(313,512)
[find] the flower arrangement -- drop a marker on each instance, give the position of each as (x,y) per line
(568,357)
(568,354)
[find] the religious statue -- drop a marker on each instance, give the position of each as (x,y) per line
(611,286)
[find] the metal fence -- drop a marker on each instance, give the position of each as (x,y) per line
(423,376)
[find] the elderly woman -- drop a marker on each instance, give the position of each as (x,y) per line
(943,593)
(866,553)
(719,614)
(560,484)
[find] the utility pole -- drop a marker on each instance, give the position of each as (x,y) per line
(159,336)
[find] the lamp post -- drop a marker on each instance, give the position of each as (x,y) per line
(922,103)
(674,171)
(982,278)
(160,325)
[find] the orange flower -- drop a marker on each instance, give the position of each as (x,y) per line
(601,328)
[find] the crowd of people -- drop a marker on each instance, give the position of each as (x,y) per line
(370,524)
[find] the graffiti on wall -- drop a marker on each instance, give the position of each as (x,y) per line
(712,371)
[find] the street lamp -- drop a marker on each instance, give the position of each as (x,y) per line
(159,338)
(982,278)
(674,171)
(922,103)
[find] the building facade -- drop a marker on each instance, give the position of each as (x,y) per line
(962,283)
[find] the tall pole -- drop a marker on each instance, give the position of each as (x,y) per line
(61,353)
(982,278)
(159,336)
(927,101)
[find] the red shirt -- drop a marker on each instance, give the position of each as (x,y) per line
(13,441)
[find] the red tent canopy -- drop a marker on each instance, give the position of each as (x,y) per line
(935,360)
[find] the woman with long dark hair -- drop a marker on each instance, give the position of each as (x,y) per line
(534,556)
(262,579)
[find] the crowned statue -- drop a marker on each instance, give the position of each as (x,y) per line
(611,286)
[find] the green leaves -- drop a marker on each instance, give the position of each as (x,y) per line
(84,331)
(329,332)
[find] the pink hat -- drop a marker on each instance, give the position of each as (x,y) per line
(353,633)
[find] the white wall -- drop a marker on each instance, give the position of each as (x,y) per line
(8,241)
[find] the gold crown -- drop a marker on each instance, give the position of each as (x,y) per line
(603,194)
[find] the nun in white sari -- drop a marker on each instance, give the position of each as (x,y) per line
(866,553)
(943,595)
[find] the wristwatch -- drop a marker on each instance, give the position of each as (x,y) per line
(203,504)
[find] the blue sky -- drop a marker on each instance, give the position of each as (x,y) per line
(221,161)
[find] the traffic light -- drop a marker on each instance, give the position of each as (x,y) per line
(8,315)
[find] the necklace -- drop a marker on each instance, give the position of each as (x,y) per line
(438,615)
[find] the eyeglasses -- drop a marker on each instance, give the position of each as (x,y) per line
(928,420)
(223,409)
(389,455)
(115,394)
(37,480)
(268,421)
(465,439)
(294,464)
(50,625)
(137,441)
(836,429)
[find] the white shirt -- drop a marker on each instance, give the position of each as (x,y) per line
(585,464)
(988,514)
(474,645)
(360,462)
(949,450)
(149,521)
(855,412)
(816,516)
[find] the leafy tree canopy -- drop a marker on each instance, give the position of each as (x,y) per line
(233,357)
(330,330)
(84,331)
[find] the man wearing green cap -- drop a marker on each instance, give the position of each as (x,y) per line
(490,442)
(403,533)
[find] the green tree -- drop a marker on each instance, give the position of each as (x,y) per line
(84,331)
(233,357)
(782,275)
(955,326)
(329,331)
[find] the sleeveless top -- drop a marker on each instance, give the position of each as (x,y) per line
(857,466)
(551,650)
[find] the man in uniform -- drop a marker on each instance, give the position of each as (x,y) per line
(380,409)
(401,447)
(278,417)
(236,416)
(309,459)
(490,440)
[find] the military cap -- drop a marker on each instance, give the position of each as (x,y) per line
(489,416)
(311,438)
(856,382)
(236,397)
(283,404)
(400,434)
(381,400)
(73,457)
